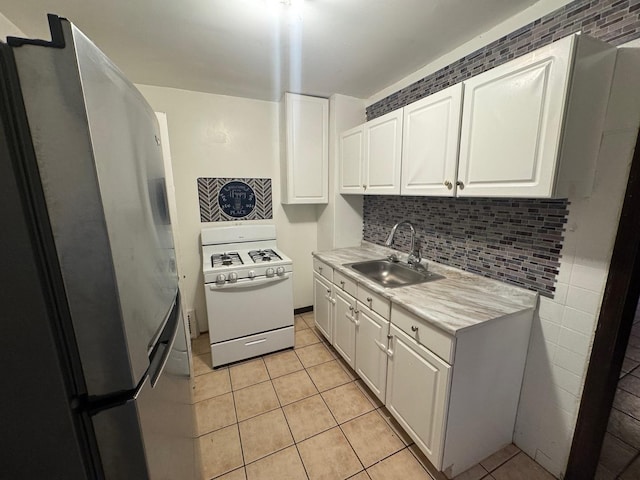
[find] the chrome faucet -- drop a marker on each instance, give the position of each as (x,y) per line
(414,255)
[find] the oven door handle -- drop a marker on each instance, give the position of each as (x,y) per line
(247,283)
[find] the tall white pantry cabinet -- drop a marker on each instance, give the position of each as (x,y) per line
(305,157)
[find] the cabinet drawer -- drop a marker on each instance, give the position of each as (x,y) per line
(431,337)
(374,301)
(323,269)
(344,283)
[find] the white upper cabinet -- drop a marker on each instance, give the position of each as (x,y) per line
(370,156)
(383,153)
(431,130)
(352,160)
(528,128)
(306,144)
(532,127)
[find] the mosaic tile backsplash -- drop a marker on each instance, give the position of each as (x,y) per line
(232,199)
(517,241)
(613,21)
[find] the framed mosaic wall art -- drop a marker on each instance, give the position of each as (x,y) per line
(232,199)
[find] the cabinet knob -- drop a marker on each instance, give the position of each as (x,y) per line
(351,308)
(342,283)
(319,269)
(364,186)
(328,290)
(369,299)
(460,184)
(414,328)
(448,184)
(356,311)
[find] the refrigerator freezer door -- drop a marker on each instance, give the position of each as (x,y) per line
(162,414)
(100,162)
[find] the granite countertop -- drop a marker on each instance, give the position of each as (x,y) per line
(457,302)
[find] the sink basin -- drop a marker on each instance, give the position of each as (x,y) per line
(392,274)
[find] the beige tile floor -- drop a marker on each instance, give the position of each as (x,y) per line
(303,414)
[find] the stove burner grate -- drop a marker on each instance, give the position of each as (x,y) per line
(264,255)
(225,259)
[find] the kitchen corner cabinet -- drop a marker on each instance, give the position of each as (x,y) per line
(532,127)
(305,130)
(352,161)
(323,305)
(430,133)
(370,156)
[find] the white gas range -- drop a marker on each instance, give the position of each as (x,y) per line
(248,290)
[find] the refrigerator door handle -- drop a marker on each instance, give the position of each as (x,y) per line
(161,350)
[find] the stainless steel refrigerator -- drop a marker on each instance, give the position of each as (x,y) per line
(95,366)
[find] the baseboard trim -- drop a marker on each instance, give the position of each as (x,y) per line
(302,310)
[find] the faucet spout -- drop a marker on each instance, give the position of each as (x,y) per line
(414,255)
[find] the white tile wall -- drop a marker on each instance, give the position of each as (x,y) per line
(563,328)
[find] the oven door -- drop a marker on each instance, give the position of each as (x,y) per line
(249,306)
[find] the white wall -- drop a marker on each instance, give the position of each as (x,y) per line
(564,327)
(340,221)
(221,136)
(8,29)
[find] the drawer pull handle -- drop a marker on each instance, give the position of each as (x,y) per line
(414,328)
(386,350)
(352,319)
(255,342)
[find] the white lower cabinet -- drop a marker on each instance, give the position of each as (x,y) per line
(371,350)
(456,416)
(322,305)
(344,338)
(417,393)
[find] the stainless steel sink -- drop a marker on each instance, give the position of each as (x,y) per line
(392,274)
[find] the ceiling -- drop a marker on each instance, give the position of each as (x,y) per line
(258,49)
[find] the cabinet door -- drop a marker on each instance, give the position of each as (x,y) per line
(322,305)
(371,346)
(430,138)
(512,125)
(307,149)
(351,160)
(345,327)
(417,393)
(383,154)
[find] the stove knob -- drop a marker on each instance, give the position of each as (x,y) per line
(233,276)
(270,272)
(280,271)
(220,278)
(252,274)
